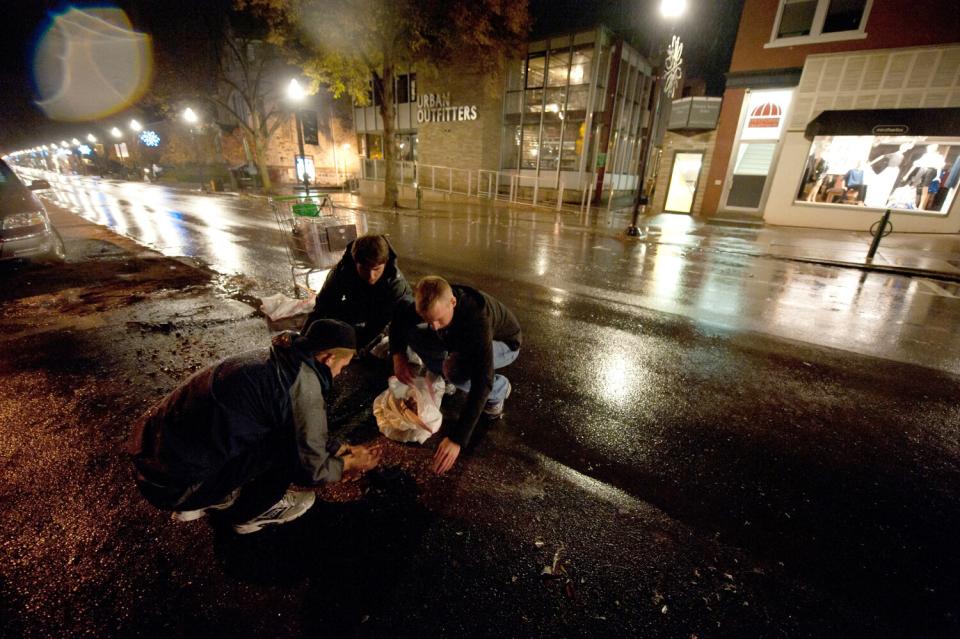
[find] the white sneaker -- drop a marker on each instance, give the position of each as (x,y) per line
(291,505)
(190,515)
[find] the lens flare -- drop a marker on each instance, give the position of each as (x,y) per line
(91,63)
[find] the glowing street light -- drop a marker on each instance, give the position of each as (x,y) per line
(190,116)
(64,144)
(672,8)
(115,132)
(135,126)
(75,142)
(295,92)
(91,138)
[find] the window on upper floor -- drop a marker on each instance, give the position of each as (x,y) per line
(812,21)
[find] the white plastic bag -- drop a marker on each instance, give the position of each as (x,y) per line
(279,306)
(410,413)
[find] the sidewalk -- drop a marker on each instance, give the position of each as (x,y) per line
(912,254)
(927,254)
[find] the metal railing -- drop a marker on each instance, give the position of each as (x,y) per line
(505,186)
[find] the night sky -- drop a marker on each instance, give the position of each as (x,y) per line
(177,26)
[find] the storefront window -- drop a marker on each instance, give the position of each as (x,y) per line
(902,172)
(535,71)
(578,98)
(559,67)
(580,67)
(573,135)
(374,146)
(530,149)
(550,147)
(533,102)
(555,103)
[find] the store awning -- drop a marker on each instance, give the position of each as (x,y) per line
(930,122)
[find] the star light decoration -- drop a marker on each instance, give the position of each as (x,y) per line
(672,66)
(150,138)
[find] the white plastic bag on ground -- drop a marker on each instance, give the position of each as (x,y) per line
(410,413)
(279,306)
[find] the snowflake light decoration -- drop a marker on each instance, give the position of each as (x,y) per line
(672,66)
(150,138)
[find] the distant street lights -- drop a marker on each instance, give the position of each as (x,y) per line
(669,73)
(135,126)
(296,95)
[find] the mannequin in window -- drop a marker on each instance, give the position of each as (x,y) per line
(882,186)
(815,171)
(853,179)
(924,171)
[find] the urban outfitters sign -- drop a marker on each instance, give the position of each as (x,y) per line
(436,107)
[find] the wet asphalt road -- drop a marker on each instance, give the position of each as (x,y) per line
(803,415)
(576,257)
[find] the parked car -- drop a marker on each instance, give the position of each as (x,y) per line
(25,228)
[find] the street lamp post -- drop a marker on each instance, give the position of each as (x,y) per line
(191,118)
(117,134)
(664,85)
(296,94)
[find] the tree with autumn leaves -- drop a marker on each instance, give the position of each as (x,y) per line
(348,44)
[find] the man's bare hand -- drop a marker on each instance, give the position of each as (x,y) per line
(446,456)
(402,368)
(360,458)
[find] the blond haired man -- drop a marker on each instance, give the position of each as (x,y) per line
(465,335)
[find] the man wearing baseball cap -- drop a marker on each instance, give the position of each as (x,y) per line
(234,436)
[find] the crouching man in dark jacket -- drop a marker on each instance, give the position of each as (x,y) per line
(362,289)
(465,335)
(235,435)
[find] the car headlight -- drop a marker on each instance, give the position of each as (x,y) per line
(20,220)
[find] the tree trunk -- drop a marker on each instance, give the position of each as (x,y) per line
(260,159)
(390,191)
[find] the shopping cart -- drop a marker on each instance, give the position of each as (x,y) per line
(315,233)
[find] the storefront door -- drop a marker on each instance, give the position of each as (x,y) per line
(682,187)
(754,151)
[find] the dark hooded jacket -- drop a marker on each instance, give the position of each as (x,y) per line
(271,397)
(346,297)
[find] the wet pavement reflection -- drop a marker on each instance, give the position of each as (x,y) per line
(710,279)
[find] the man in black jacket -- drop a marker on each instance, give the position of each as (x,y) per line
(463,334)
(362,289)
(235,435)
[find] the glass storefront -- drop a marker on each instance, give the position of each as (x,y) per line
(919,173)
(545,108)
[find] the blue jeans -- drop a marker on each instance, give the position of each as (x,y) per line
(427,345)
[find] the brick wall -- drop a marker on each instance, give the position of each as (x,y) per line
(470,144)
(284,148)
(680,141)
